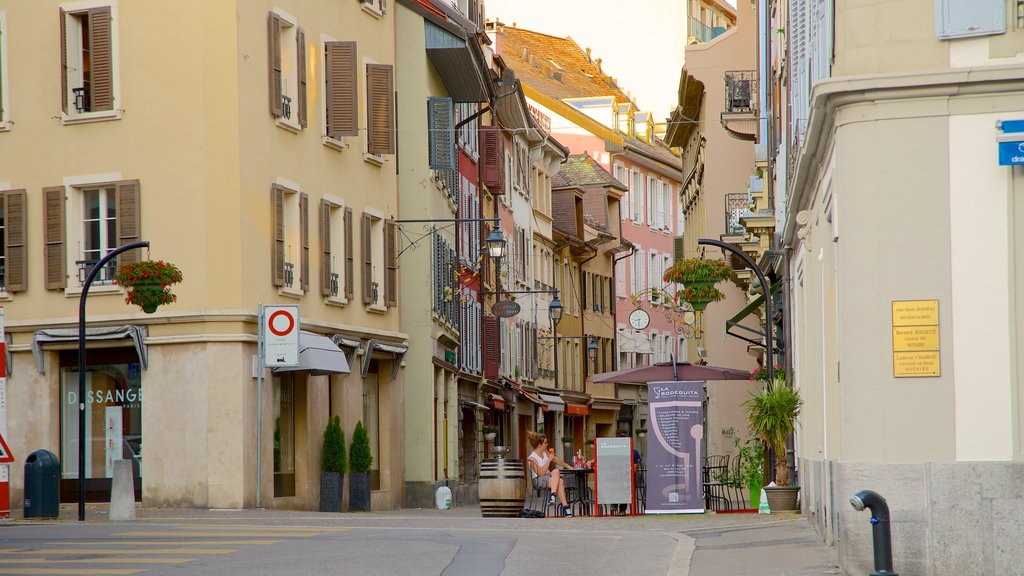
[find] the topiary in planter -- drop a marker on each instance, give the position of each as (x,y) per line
(333,463)
(360,462)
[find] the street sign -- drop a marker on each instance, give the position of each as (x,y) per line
(5,452)
(280,336)
(505,308)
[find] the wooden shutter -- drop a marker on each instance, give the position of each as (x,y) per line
(960,18)
(274,41)
(367,247)
(493,150)
(325,248)
(277,251)
(129,219)
(53,250)
(678,249)
(391,263)
(16,279)
(300,57)
(491,350)
(349,256)
(340,66)
(304,240)
(380,109)
(101,91)
(63,61)
(442,133)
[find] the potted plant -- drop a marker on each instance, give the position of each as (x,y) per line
(148,283)
(490,432)
(751,473)
(567,441)
(771,417)
(333,463)
(698,277)
(360,461)
(641,432)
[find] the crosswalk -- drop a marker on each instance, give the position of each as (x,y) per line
(147,546)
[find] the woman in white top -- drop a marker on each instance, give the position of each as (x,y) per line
(543,473)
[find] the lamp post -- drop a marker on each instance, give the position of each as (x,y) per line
(81,365)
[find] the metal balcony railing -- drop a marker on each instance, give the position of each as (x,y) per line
(105,275)
(741,92)
(737,205)
(289,274)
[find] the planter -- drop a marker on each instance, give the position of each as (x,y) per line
(490,436)
(755,495)
(148,296)
(330,491)
(359,492)
(782,498)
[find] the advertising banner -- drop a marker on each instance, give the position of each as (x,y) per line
(676,429)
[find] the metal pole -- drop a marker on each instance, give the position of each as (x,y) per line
(81,365)
(259,404)
(767,296)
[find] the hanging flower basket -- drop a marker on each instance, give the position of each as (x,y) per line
(698,277)
(148,283)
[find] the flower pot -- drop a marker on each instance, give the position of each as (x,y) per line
(359,491)
(148,296)
(330,491)
(782,498)
(699,304)
(490,436)
(755,494)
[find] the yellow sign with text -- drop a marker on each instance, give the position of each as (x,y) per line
(915,364)
(915,313)
(915,338)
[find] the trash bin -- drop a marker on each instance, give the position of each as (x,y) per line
(42,485)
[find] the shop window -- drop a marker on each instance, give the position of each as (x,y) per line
(371,420)
(284,436)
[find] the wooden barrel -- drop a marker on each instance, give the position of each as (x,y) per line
(502,487)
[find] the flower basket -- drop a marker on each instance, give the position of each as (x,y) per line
(698,277)
(148,283)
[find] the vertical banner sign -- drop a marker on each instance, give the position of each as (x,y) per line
(5,492)
(614,463)
(674,463)
(280,336)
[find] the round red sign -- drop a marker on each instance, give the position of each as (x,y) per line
(278,317)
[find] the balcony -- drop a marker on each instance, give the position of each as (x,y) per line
(739,116)
(700,32)
(737,205)
(104,276)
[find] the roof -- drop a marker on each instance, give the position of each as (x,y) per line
(658,151)
(582,170)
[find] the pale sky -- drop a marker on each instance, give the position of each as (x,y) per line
(640,43)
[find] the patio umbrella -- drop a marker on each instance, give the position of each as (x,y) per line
(662,372)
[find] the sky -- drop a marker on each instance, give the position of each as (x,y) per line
(640,43)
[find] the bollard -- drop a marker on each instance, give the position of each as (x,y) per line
(880,535)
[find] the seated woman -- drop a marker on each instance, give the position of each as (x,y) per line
(543,473)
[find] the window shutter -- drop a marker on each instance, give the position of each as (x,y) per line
(277,251)
(274,42)
(959,18)
(53,251)
(17,261)
(442,135)
(340,65)
(304,240)
(678,250)
(63,61)
(391,261)
(300,56)
(129,219)
(101,90)
(349,256)
(493,159)
(380,109)
(325,247)
(491,343)
(367,248)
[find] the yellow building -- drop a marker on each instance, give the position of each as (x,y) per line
(252,144)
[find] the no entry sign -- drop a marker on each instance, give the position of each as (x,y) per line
(280,336)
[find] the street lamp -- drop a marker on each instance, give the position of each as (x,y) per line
(555,310)
(592,349)
(496,244)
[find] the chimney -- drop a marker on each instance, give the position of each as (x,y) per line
(598,63)
(588,55)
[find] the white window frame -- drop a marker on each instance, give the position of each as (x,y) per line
(72,25)
(74,230)
(5,93)
(290,69)
(375,8)
(637,195)
(669,219)
(338,253)
(377,257)
(292,236)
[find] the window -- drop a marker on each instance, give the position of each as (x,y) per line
(379,263)
(99,218)
(291,238)
(12,242)
(669,202)
(620,278)
(653,203)
(441,136)
(620,175)
(636,192)
(89,88)
(961,18)
(653,280)
(380,109)
(376,7)
(284,435)
(337,255)
(340,99)
(4,93)
(287,71)
(468,137)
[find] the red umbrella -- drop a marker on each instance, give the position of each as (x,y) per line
(663,372)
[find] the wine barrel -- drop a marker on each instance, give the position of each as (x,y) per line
(502,487)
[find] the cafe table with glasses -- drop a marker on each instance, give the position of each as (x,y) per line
(578,493)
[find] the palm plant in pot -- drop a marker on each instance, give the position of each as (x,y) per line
(360,461)
(771,417)
(333,463)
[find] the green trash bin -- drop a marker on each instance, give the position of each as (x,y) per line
(42,485)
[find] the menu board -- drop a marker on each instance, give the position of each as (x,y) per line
(614,471)
(674,462)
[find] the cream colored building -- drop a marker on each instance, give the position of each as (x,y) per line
(904,238)
(258,156)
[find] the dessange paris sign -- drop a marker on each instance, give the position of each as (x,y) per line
(280,336)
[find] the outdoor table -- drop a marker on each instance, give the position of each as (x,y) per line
(578,493)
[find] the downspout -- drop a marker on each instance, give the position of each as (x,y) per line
(615,338)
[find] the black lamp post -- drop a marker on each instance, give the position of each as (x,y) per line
(496,244)
(555,313)
(81,365)
(592,349)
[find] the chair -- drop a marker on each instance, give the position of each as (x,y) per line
(640,489)
(538,499)
(716,495)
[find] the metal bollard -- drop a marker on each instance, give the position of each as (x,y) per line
(880,535)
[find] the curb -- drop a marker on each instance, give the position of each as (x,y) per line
(680,564)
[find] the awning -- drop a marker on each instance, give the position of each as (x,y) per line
(376,345)
(453,58)
(318,355)
(474,405)
(497,402)
(554,402)
(734,322)
(531,396)
(577,409)
(68,335)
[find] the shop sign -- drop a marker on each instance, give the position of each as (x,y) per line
(915,338)
(505,308)
(1011,142)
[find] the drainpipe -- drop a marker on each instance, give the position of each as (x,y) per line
(615,296)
